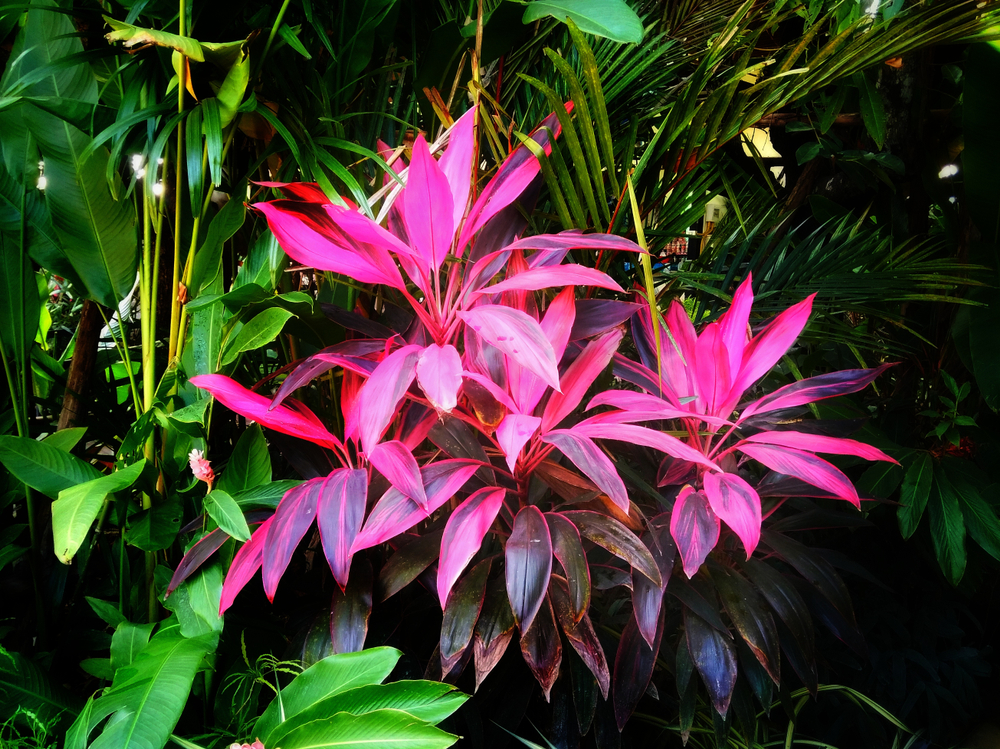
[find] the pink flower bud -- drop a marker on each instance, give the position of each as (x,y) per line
(201,468)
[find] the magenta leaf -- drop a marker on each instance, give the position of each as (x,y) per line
(596,316)
(512,434)
(341,509)
(805,466)
(733,324)
(715,658)
(395,461)
(439,374)
(347,354)
(529,565)
(396,513)
(819,443)
(736,503)
(382,392)
(677,353)
(573,240)
(714,379)
(695,528)
(428,206)
(456,162)
(568,549)
(541,647)
(642,436)
(586,455)
(517,335)
(578,378)
(815,388)
(767,348)
(559,275)
(245,565)
(298,422)
(643,407)
(463,535)
(291,520)
(308,191)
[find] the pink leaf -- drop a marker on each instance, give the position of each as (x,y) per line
(308,234)
(736,503)
(733,324)
(712,369)
(559,275)
(245,565)
(556,324)
(819,443)
(291,520)
(395,461)
(341,509)
(463,535)
(814,388)
(428,206)
(347,354)
(646,407)
(578,378)
(395,513)
(573,240)
(298,422)
(768,347)
(381,394)
(308,191)
(512,434)
(518,336)
(585,454)
(528,557)
(643,436)
(456,162)
(439,373)
(695,528)
(805,466)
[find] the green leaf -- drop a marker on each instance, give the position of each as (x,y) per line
(880,480)
(44,468)
(107,611)
(227,514)
(99,667)
(156,528)
(807,152)
(212,128)
(914,494)
(387,729)
(263,264)
(19,304)
(147,697)
(127,642)
(262,329)
(196,602)
(290,35)
(612,19)
(266,496)
(250,464)
(947,529)
(981,520)
(208,261)
(193,414)
(133,35)
(872,108)
(77,507)
(23,684)
(65,439)
(325,678)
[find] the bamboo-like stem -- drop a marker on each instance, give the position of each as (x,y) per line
(175,305)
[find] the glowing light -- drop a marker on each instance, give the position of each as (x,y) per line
(948,170)
(42,182)
(872,9)
(158,189)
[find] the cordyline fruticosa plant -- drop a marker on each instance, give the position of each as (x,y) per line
(491,372)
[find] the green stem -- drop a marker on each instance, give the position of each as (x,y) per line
(274,31)
(175,305)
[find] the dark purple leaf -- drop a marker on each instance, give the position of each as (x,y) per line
(528,565)
(347,354)
(586,455)
(341,509)
(606,577)
(354,321)
(647,597)
(408,562)
(594,316)
(456,439)
(349,610)
(817,571)
(580,634)
(568,549)
(714,657)
(584,687)
(291,520)
(701,600)
(813,389)
(803,664)
(541,647)
(634,664)
(786,602)
(695,528)
(609,534)
(494,629)
(461,614)
(750,616)
(196,556)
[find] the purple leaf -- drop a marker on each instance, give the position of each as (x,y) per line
(642,436)
(578,378)
(428,206)
(815,388)
(785,600)
(341,509)
(736,503)
(820,443)
(715,658)
(767,348)
(574,240)
(512,434)
(396,513)
(518,336)
(559,275)
(461,614)
(752,618)
(529,565)
(695,528)
(646,408)
(439,374)
(395,461)
(585,454)
(245,565)
(494,630)
(609,534)
(647,596)
(596,316)
(291,520)
(347,354)
(805,466)
(634,664)
(380,395)
(456,162)
(350,609)
(196,556)
(297,422)
(413,556)
(580,633)
(542,648)
(463,535)
(568,549)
